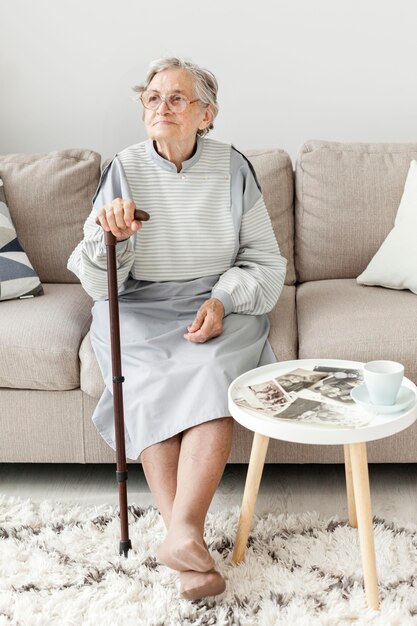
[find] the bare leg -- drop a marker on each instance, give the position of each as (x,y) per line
(202,447)
(202,461)
(160,465)
(204,452)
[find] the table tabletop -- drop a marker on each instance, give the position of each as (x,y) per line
(378,427)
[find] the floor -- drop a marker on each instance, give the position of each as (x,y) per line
(284,488)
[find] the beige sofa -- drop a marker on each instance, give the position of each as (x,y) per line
(330,216)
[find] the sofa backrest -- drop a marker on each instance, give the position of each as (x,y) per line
(275,174)
(347,196)
(49,197)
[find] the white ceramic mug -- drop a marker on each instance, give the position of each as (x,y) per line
(383,381)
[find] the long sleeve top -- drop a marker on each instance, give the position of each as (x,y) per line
(208,219)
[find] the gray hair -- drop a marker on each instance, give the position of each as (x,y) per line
(205,83)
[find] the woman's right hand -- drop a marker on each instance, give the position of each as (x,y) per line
(118,217)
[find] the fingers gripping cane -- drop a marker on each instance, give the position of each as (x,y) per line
(119,427)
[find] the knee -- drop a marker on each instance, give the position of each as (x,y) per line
(161,447)
(227,420)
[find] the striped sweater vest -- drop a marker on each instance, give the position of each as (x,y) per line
(190,233)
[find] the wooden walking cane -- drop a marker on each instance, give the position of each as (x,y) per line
(118,379)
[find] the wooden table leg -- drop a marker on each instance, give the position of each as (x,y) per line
(362,494)
(253,479)
(353,521)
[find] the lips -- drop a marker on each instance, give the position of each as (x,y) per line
(164,123)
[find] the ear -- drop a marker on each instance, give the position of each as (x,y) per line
(207,119)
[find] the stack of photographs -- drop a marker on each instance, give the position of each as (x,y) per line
(320,396)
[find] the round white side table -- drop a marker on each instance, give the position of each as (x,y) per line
(356,465)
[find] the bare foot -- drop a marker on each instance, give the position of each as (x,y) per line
(184,549)
(196,585)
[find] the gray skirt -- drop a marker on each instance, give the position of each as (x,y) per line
(170,383)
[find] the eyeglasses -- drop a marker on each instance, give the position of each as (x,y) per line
(175,102)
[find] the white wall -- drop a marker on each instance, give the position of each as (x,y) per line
(289,70)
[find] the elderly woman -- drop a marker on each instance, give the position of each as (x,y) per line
(195,283)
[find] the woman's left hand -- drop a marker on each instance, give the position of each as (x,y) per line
(207,323)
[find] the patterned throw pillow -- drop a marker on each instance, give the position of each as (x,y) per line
(18,279)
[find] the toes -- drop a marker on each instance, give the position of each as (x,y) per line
(196,585)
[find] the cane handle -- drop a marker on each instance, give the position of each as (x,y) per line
(140,216)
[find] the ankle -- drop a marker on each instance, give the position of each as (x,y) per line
(187,522)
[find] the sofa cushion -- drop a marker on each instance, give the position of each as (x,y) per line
(283,320)
(40,339)
(343,320)
(49,197)
(275,174)
(347,196)
(91,380)
(282,336)
(42,426)
(18,279)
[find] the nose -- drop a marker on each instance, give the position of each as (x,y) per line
(164,109)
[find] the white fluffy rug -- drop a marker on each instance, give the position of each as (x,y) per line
(59,565)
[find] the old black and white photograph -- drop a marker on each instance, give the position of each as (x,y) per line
(319,396)
(321,413)
(299,379)
(270,395)
(262,410)
(337,384)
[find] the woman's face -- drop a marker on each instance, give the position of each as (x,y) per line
(167,126)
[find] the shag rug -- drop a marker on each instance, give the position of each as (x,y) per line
(59,565)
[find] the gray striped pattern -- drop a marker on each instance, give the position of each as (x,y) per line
(88,261)
(190,233)
(257,278)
